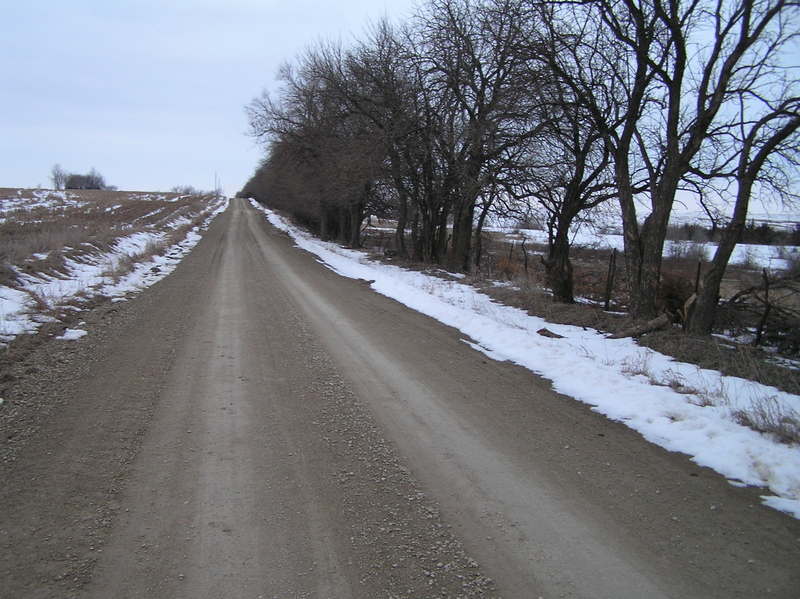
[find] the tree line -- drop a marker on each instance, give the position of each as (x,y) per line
(62,179)
(475,108)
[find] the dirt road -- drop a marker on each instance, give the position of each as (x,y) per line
(256,426)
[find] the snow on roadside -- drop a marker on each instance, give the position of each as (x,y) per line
(614,376)
(72,334)
(90,275)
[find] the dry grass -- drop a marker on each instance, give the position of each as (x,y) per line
(121,267)
(769,416)
(126,263)
(39,231)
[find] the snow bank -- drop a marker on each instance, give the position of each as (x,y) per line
(614,376)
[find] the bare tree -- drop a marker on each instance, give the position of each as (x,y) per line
(58,176)
(478,103)
(667,95)
(767,154)
(331,152)
(375,81)
(570,163)
(471,55)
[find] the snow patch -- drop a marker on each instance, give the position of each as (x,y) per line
(72,334)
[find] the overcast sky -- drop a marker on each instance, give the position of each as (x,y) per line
(150,93)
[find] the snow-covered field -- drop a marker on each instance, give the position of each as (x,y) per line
(614,376)
(603,231)
(90,273)
(772,257)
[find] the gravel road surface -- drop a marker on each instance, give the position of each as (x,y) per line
(256,426)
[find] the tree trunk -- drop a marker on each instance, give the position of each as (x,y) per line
(477,248)
(462,235)
(701,318)
(643,280)
(356,218)
(324,223)
(559,267)
(402,207)
(402,221)
(644,249)
(440,239)
(632,247)
(341,221)
(427,236)
(416,240)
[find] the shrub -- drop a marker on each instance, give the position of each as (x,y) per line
(91,180)
(768,416)
(673,293)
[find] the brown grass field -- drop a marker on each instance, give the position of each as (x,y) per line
(39,230)
(43,232)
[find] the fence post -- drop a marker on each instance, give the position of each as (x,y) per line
(612,263)
(525,257)
(697,277)
(767,309)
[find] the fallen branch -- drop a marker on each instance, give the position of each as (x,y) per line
(661,322)
(549,333)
